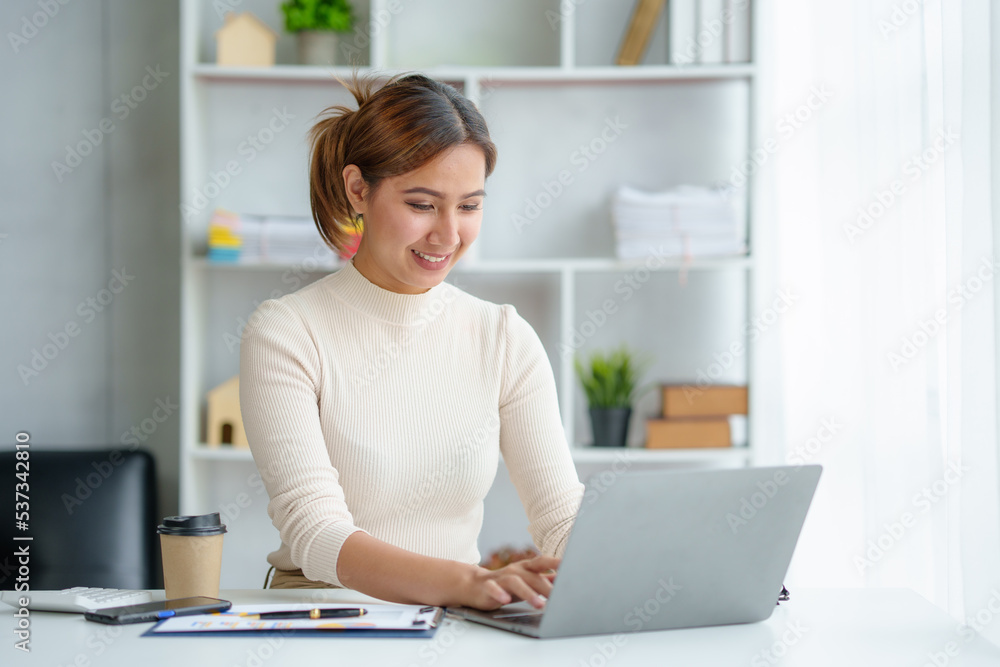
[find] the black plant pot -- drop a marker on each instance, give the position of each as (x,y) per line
(610,426)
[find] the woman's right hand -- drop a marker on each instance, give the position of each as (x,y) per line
(529,580)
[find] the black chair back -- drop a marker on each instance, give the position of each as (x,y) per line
(92,518)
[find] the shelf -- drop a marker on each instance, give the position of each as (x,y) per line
(554,104)
(590,454)
(596,265)
(581,454)
(209,71)
(221,453)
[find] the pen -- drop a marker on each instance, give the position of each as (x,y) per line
(308,613)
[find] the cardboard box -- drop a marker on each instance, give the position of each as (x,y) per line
(687,400)
(687,433)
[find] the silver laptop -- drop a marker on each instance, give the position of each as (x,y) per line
(663,549)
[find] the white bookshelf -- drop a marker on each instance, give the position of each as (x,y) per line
(687,124)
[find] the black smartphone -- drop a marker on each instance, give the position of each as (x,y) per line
(155,611)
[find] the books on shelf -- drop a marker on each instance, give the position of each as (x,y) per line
(644,18)
(696,415)
(686,221)
(709,31)
(266,239)
(737,47)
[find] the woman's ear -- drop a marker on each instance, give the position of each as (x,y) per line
(355,187)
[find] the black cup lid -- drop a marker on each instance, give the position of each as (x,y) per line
(200,525)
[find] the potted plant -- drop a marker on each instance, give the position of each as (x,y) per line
(611,383)
(316,24)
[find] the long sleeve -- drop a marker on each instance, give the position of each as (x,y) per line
(532,439)
(280,382)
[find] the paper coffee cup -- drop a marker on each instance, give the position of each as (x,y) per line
(191,548)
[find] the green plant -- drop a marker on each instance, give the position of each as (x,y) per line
(335,15)
(611,380)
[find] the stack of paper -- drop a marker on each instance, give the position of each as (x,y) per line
(256,239)
(686,221)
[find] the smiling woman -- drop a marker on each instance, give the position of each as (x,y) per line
(419,232)
(378,400)
(430,148)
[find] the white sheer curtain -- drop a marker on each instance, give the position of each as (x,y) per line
(878,198)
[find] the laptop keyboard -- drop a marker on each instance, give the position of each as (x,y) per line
(522,619)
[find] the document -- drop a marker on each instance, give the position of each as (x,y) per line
(382,619)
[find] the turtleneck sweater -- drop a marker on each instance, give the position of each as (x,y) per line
(370,410)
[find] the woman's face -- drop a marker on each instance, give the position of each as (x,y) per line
(418,224)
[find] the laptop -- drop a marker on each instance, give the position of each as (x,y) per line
(665,549)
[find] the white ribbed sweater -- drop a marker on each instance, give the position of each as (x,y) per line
(371,410)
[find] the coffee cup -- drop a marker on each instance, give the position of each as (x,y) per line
(191,547)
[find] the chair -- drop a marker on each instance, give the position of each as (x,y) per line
(92,516)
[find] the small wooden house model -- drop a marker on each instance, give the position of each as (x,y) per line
(225,426)
(244,40)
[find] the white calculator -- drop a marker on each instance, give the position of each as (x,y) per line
(77,600)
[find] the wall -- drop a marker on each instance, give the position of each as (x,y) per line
(101,227)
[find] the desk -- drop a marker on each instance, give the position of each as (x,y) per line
(817,627)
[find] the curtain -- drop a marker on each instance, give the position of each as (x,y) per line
(876,207)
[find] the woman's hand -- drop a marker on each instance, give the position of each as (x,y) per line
(529,580)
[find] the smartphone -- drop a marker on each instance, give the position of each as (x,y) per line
(155,611)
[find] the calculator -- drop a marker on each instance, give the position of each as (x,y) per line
(76,600)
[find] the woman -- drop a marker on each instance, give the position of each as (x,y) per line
(377,400)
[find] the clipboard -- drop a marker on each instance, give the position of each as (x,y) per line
(381,620)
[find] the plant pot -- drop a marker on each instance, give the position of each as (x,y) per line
(317,47)
(610,426)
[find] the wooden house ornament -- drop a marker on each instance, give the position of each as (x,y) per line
(225,425)
(244,40)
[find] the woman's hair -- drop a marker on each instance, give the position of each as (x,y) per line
(397,128)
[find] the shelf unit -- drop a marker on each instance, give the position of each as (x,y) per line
(687,124)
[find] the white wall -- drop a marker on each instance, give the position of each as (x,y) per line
(116,209)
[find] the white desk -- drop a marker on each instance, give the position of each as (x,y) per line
(817,627)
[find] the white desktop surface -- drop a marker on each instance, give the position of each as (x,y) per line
(854,627)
